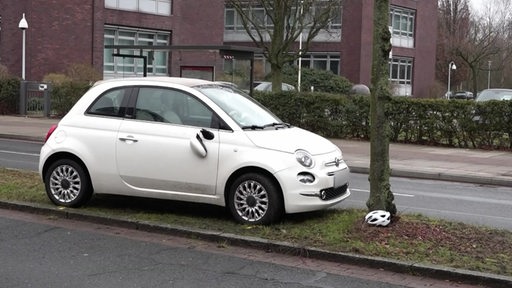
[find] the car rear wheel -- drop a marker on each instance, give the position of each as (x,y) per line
(67,184)
(255,199)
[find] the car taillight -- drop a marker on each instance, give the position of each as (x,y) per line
(52,128)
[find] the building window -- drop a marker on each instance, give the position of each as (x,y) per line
(318,61)
(233,20)
(322,61)
(158,7)
(400,75)
(401,22)
(157,61)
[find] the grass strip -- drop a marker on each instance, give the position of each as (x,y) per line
(411,237)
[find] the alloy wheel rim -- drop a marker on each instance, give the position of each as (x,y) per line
(65,183)
(251,201)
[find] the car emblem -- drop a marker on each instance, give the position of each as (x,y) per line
(337,162)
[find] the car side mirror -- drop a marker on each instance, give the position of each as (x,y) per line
(197,145)
(208,135)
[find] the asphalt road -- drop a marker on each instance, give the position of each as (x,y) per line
(19,154)
(470,203)
(37,251)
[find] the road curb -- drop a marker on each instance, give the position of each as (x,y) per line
(407,173)
(22,137)
(429,271)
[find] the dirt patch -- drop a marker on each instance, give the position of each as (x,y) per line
(461,240)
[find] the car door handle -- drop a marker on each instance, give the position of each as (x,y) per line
(128,139)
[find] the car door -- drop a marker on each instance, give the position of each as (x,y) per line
(154,149)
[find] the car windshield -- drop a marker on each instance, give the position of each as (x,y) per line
(244,110)
(487,95)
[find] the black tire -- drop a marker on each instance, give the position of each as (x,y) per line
(255,199)
(67,184)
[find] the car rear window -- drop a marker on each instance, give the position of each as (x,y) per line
(109,103)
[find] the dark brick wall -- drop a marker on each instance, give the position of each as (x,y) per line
(357,39)
(59,34)
(59,37)
(198,22)
(426,42)
(63,32)
(357,42)
(11,36)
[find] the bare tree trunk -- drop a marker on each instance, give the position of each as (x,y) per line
(381,197)
(286,20)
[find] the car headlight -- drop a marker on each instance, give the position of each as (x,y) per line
(304,158)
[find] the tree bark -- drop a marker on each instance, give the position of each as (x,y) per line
(289,20)
(381,197)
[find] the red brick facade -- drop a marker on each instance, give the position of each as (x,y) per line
(357,42)
(64,32)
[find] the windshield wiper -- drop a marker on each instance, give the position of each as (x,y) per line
(253,127)
(277,125)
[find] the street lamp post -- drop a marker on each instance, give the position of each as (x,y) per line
(23,25)
(299,74)
(489,75)
(451,66)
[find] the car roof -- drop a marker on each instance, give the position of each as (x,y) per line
(189,82)
(489,94)
(497,89)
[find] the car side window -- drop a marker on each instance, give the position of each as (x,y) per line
(171,106)
(197,113)
(109,103)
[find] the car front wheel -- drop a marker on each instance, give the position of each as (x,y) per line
(255,199)
(67,184)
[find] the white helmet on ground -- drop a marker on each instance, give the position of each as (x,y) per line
(378,218)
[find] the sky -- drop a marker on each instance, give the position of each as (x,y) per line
(476,3)
(478,6)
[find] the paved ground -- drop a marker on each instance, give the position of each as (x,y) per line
(466,165)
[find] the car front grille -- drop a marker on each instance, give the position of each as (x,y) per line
(332,193)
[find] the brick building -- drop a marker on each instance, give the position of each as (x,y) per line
(63,32)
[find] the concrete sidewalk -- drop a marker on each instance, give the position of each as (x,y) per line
(416,161)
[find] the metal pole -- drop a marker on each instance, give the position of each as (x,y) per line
(23,96)
(489,76)
(23,25)
(300,51)
(23,58)
(451,66)
(449,78)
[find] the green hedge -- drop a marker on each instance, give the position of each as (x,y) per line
(9,95)
(64,95)
(452,123)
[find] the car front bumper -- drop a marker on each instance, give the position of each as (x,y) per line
(329,187)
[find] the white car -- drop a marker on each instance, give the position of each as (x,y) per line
(189,140)
(267,87)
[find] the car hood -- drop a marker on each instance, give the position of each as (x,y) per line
(290,140)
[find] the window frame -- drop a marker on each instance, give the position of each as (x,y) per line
(215,121)
(399,16)
(237,25)
(403,66)
(308,60)
(161,7)
(121,108)
(116,35)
